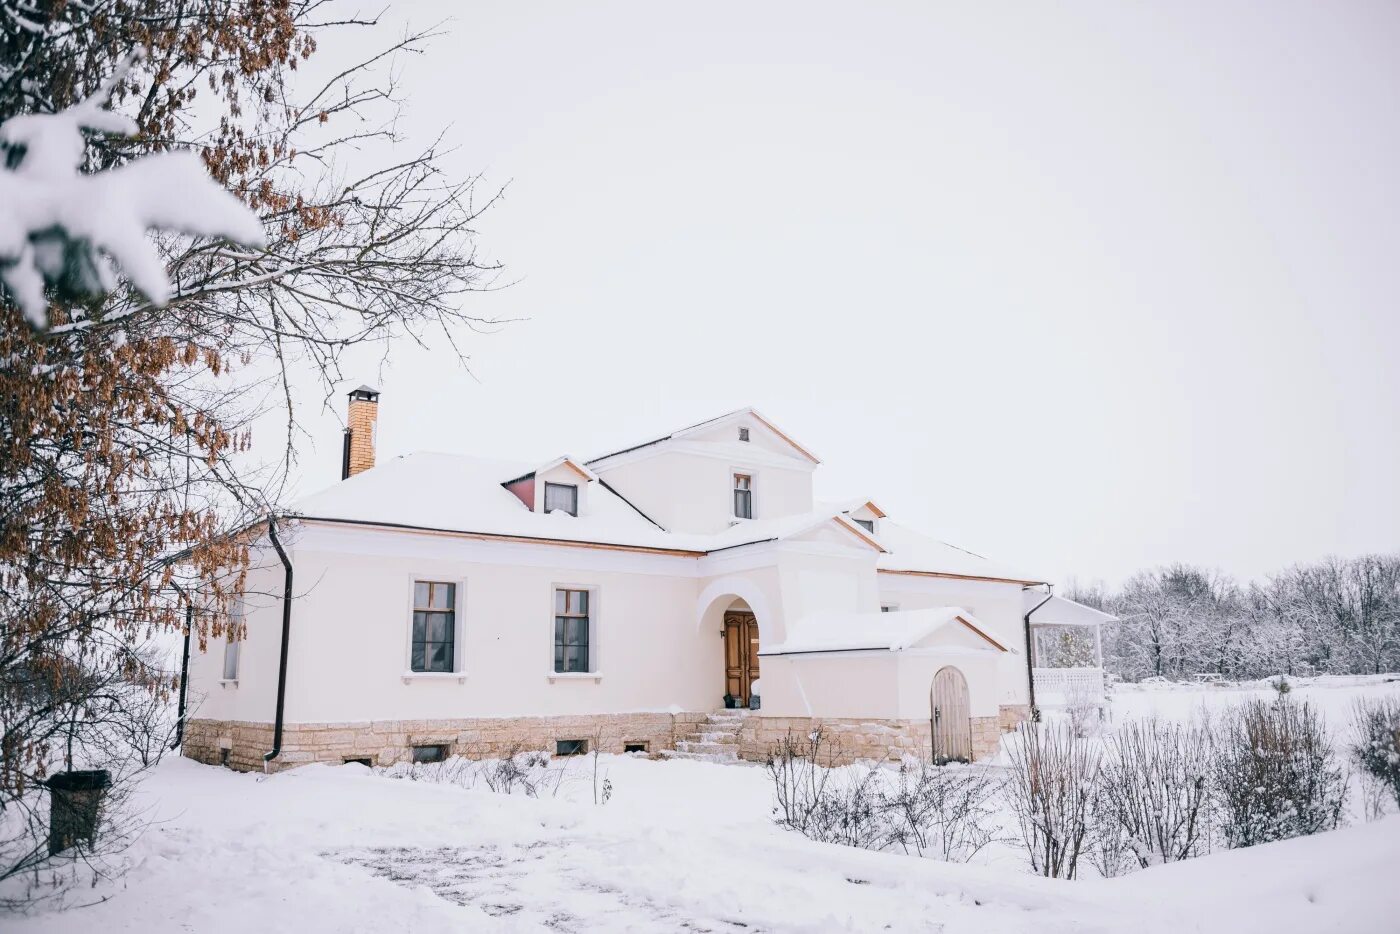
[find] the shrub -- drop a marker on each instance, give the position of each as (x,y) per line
(1376,742)
(1154,802)
(820,802)
(946,812)
(1054,779)
(1274,774)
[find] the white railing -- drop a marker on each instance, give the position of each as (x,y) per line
(1066,681)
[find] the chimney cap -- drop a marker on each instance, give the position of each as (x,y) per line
(368,393)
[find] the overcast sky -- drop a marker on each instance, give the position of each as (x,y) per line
(1084,288)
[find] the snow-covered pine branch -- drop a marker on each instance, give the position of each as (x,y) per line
(61,228)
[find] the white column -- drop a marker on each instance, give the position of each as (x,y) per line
(1098,645)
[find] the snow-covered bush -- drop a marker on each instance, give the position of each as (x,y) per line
(818,800)
(1275,773)
(1082,708)
(1154,798)
(1376,742)
(526,772)
(945,812)
(1053,785)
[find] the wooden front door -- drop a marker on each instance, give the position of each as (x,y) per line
(740,655)
(952,720)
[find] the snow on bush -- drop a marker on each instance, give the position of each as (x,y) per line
(528,772)
(942,812)
(1376,743)
(1054,780)
(60,228)
(1153,804)
(1275,773)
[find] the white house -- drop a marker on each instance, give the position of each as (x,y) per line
(438,604)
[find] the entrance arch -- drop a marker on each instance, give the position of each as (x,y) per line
(950,716)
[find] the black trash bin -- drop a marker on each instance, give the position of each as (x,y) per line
(75,801)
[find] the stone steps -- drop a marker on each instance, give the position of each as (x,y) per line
(715,740)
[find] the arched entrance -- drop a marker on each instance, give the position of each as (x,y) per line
(950,716)
(740,652)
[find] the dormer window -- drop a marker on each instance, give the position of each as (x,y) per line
(743,496)
(743,434)
(561,496)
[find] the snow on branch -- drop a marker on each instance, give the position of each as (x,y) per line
(61,228)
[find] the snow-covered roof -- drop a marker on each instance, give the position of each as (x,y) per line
(574,462)
(1057,611)
(912,551)
(706,425)
(893,632)
(464,494)
(459,493)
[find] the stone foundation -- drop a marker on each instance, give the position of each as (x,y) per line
(241,745)
(1013,715)
(879,740)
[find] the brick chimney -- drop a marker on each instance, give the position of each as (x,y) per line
(362,422)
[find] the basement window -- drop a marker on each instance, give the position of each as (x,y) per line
(434,753)
(570,747)
(634,747)
(359,760)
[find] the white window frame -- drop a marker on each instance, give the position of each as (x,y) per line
(734,474)
(459,605)
(595,629)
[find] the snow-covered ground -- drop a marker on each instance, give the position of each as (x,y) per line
(681,846)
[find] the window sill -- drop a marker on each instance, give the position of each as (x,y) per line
(410,676)
(228,682)
(594,676)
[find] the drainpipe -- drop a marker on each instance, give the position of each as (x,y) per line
(1030,652)
(184,667)
(286,634)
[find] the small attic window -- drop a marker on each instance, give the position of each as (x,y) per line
(562,497)
(867,524)
(743,434)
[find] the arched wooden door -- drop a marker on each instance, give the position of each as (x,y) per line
(740,655)
(951,717)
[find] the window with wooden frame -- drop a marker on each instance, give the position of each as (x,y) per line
(743,496)
(434,626)
(562,497)
(571,631)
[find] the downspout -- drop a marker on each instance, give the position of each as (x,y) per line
(345,456)
(286,635)
(184,667)
(1030,653)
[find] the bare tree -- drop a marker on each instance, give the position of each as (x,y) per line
(126,465)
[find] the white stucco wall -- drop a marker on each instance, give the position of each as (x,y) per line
(657,623)
(997,605)
(782,486)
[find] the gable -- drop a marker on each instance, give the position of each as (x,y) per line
(836,532)
(962,634)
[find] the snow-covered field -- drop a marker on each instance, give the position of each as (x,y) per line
(681,846)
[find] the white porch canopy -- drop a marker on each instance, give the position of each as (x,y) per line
(1057,613)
